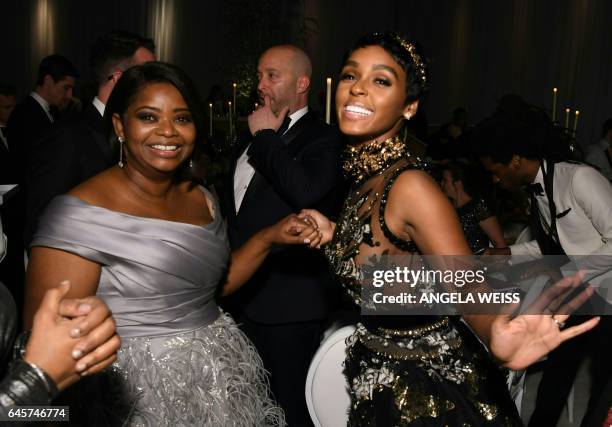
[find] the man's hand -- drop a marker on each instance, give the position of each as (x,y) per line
(71,338)
(264,118)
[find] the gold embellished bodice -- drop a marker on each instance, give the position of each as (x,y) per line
(362,238)
(404,370)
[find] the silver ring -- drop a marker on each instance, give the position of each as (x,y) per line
(559,324)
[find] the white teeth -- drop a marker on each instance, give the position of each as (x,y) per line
(357,110)
(165,147)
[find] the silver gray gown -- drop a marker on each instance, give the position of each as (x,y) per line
(182,361)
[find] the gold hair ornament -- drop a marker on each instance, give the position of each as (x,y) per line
(416,58)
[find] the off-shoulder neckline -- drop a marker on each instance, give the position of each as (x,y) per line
(210,201)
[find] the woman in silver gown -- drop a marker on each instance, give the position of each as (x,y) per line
(411,370)
(153,246)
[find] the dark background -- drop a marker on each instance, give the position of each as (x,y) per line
(479,49)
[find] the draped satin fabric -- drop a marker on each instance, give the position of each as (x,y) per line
(158,277)
(181,361)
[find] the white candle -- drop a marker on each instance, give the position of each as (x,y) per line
(567,111)
(576,121)
(328,102)
(210,119)
(234,97)
(554,108)
(229,109)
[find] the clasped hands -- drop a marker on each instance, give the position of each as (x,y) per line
(309,227)
(293,230)
(71,338)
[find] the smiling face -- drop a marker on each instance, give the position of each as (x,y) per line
(158,129)
(371,95)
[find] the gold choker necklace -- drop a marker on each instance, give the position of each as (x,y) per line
(372,158)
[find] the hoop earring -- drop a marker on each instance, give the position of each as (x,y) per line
(120,152)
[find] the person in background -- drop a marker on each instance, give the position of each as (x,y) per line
(33,116)
(30,119)
(290,160)
(571,215)
(461,183)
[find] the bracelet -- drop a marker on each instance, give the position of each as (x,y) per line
(19,349)
(34,378)
(46,379)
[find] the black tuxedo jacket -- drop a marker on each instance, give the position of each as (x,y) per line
(27,123)
(300,169)
(5,163)
(71,152)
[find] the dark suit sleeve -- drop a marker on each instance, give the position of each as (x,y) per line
(52,170)
(18,136)
(301,180)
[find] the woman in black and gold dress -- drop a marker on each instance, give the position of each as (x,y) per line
(412,370)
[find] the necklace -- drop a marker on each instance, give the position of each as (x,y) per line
(372,158)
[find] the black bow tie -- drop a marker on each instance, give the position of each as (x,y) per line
(535,189)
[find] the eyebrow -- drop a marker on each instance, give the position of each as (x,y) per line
(352,63)
(147,107)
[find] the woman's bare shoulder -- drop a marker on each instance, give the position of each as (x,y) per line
(100,189)
(414,182)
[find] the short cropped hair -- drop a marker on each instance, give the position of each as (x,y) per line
(115,50)
(56,66)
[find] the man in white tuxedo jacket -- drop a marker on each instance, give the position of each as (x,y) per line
(513,146)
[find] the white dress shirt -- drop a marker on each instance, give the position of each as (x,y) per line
(43,103)
(99,105)
(583,201)
(2,243)
(3,135)
(245,171)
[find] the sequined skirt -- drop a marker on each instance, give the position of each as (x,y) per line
(212,376)
(426,376)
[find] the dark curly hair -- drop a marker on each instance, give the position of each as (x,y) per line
(406,53)
(135,79)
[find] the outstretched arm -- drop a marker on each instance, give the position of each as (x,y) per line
(48,267)
(418,210)
(493,230)
(246,260)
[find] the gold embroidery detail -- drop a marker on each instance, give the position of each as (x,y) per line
(489,412)
(372,158)
(414,404)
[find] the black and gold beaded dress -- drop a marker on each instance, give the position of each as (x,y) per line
(470,216)
(405,370)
